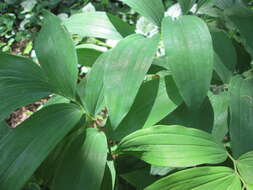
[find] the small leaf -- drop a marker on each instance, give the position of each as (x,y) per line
(188,45)
(87,56)
(99,25)
(245,166)
(24,148)
(153,10)
(203,178)
(84,162)
(241,111)
(22,82)
(186,5)
(125,72)
(57,56)
(173,146)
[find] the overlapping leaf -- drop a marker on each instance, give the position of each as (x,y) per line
(98,24)
(57,56)
(125,70)
(84,162)
(151,9)
(188,45)
(173,146)
(22,82)
(241,110)
(25,147)
(203,178)
(186,5)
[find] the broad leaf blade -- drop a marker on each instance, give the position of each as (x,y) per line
(98,24)
(84,162)
(203,178)
(245,166)
(125,72)
(151,9)
(57,56)
(21,82)
(92,95)
(188,45)
(241,110)
(150,106)
(173,146)
(25,147)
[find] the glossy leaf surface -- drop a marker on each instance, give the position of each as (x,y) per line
(188,45)
(173,146)
(203,178)
(24,148)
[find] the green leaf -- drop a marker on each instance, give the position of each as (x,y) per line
(161,171)
(220,103)
(173,146)
(189,45)
(24,148)
(201,118)
(56,99)
(125,72)
(57,56)
(150,106)
(21,82)
(245,166)
(186,5)
(92,94)
(140,178)
(99,25)
(225,57)
(109,176)
(4,130)
(84,162)
(153,10)
(203,178)
(241,111)
(87,56)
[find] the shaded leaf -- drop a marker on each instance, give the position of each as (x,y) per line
(21,82)
(218,178)
(57,56)
(188,45)
(173,146)
(125,72)
(87,56)
(241,111)
(84,162)
(186,5)
(109,176)
(24,148)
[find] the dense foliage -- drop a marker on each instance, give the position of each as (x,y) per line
(164,106)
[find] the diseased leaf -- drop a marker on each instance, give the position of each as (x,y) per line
(84,162)
(220,103)
(188,45)
(125,72)
(245,166)
(153,10)
(200,118)
(92,93)
(57,56)
(241,111)
(99,25)
(203,178)
(22,82)
(24,148)
(173,146)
